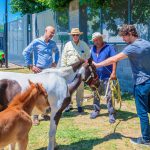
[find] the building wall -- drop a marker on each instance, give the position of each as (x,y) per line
(124,72)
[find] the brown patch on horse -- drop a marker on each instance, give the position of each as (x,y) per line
(8,89)
(75,84)
(78,64)
(15,122)
(66,102)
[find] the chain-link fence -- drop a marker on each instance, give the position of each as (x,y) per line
(17,40)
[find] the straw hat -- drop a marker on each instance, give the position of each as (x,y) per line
(75,31)
(96,35)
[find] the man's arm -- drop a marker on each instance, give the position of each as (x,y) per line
(111,60)
(114,65)
(113,74)
(28,59)
(27,54)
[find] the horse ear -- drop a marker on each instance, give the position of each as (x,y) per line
(90,61)
(41,89)
(31,83)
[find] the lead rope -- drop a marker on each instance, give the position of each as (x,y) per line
(115,92)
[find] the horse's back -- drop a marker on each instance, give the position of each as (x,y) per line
(8,89)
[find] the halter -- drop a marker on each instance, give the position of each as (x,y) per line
(94,79)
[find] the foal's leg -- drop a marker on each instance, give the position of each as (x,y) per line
(22,143)
(12,146)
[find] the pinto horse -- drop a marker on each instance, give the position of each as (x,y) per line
(15,121)
(59,92)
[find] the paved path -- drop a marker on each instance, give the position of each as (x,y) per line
(11,66)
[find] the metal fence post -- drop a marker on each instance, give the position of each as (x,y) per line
(6,34)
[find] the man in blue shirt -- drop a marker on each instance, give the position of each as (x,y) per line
(42,50)
(138,52)
(99,52)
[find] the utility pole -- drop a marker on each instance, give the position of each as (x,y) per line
(129,12)
(6,34)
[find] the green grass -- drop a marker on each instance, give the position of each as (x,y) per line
(78,132)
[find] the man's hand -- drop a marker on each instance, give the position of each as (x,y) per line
(95,64)
(35,69)
(113,76)
(53,65)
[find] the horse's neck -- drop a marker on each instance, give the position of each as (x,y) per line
(77,65)
(25,101)
(75,84)
(29,105)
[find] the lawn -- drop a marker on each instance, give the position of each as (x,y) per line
(78,132)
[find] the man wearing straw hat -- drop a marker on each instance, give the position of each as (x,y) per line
(99,52)
(72,51)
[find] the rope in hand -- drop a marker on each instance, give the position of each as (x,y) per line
(115,92)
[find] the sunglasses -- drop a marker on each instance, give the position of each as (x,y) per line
(75,35)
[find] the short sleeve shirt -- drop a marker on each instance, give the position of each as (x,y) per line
(139,56)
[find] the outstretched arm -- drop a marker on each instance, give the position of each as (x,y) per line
(111,60)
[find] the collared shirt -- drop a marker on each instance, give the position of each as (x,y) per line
(106,52)
(42,53)
(139,56)
(72,52)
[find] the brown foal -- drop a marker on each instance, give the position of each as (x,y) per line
(15,121)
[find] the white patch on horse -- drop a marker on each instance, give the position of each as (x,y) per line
(82,72)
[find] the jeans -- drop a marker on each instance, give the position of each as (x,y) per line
(142,101)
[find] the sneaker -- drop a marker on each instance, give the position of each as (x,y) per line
(80,109)
(94,114)
(68,108)
(140,140)
(112,118)
(35,122)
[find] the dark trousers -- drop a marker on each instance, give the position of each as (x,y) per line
(102,89)
(142,101)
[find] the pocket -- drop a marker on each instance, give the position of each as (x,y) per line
(70,52)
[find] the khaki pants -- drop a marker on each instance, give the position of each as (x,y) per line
(80,94)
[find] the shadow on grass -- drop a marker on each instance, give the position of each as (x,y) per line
(123,115)
(88,144)
(74,112)
(127,97)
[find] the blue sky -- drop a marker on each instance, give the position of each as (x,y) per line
(11,16)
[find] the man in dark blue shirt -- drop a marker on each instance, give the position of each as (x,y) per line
(138,52)
(99,52)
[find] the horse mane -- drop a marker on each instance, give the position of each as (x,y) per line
(63,71)
(22,97)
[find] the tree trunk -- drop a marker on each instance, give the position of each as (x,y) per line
(83,21)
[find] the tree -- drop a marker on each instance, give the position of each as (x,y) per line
(114,12)
(27,6)
(35,6)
